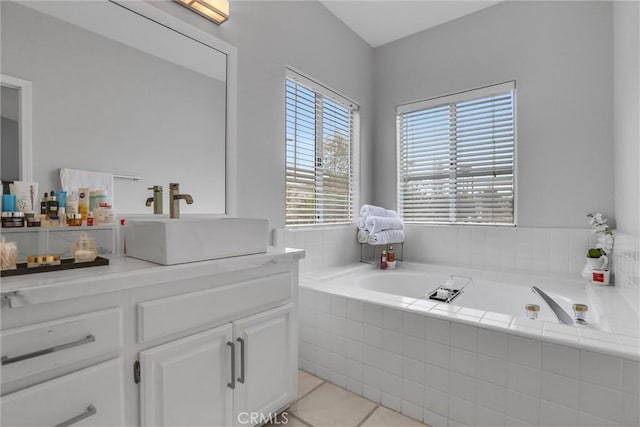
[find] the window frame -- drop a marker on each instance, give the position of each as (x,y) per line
(354,147)
(451,100)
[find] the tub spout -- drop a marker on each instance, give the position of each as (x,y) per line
(562,315)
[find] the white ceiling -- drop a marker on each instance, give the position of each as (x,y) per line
(379,22)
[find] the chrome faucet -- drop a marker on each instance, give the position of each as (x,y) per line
(174,200)
(563,316)
(156,199)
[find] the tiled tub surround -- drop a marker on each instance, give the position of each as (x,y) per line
(450,365)
(542,251)
(626,264)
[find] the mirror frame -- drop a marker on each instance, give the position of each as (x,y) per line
(178,25)
(24,128)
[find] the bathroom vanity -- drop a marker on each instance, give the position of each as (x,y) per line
(135,343)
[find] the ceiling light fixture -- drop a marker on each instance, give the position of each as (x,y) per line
(214,10)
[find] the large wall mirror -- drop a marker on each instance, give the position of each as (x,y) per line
(120,88)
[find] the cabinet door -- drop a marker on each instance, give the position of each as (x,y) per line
(89,397)
(269,364)
(185,382)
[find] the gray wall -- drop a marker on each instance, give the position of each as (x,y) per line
(271,36)
(560,55)
(100,105)
(627,115)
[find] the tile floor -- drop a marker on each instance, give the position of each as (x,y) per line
(323,404)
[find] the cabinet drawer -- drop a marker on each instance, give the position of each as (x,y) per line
(90,397)
(36,348)
(166,316)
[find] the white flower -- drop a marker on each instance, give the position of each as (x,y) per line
(600,227)
(605,242)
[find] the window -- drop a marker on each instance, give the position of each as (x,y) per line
(456,157)
(321,129)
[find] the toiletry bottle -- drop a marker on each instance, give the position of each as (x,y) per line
(391,257)
(89,219)
(92,201)
(383,260)
(53,205)
(72,204)
(44,206)
(83,202)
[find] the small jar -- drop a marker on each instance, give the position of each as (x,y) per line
(12,219)
(84,249)
(104,214)
(33,222)
(74,220)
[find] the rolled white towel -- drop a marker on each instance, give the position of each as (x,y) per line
(361,223)
(371,210)
(380,223)
(362,236)
(386,237)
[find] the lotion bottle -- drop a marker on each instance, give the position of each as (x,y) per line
(391,257)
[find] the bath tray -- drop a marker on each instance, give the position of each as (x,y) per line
(65,264)
(452,291)
(452,294)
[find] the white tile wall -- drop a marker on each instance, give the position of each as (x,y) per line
(539,250)
(446,373)
(324,246)
(626,265)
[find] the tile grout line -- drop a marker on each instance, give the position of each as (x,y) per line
(288,410)
(309,392)
(368,415)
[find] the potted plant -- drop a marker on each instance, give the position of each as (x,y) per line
(597,258)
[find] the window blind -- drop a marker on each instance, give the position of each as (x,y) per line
(320,161)
(456,157)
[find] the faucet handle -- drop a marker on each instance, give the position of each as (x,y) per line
(174,186)
(155,188)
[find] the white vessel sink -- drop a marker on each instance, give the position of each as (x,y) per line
(194,238)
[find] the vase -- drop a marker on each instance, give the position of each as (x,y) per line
(601,263)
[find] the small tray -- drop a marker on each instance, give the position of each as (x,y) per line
(65,264)
(452,294)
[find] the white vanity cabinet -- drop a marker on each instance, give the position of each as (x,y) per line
(224,376)
(89,397)
(267,377)
(208,343)
(185,381)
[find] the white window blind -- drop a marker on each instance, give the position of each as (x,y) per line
(456,157)
(321,129)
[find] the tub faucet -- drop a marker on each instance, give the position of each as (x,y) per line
(562,315)
(156,199)
(174,200)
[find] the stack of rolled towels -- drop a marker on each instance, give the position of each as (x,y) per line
(379,226)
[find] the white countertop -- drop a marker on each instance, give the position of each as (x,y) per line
(125,273)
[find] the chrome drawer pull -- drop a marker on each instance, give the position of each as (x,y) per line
(91,410)
(6,360)
(241,378)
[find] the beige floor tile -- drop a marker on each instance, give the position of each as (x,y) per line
(287,419)
(306,383)
(383,417)
(329,405)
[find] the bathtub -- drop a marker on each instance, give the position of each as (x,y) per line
(478,360)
